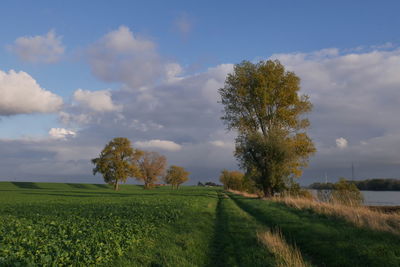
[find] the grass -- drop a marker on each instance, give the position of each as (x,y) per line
(286,255)
(358,215)
(48,224)
(235,243)
(325,240)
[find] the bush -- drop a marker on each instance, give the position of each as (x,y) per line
(346,193)
(342,192)
(294,190)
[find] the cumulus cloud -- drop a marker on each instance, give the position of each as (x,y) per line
(341,143)
(61,133)
(354,95)
(120,56)
(96,100)
(21,94)
(39,49)
(161,144)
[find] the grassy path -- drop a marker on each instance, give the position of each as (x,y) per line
(185,242)
(235,241)
(325,240)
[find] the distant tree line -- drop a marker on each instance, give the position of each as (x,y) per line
(208,184)
(376,184)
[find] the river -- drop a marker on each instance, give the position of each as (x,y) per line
(378,198)
(381,198)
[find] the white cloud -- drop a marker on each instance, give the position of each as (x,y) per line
(354,95)
(162,144)
(61,133)
(97,100)
(21,94)
(120,56)
(217,143)
(68,118)
(223,144)
(172,71)
(341,143)
(39,49)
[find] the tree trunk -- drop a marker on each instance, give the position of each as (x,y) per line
(116,188)
(267,189)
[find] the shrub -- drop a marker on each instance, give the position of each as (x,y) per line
(346,193)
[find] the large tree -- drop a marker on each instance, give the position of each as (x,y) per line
(117,161)
(152,167)
(176,175)
(262,103)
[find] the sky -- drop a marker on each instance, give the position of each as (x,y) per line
(75,74)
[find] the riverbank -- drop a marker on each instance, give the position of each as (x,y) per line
(386,209)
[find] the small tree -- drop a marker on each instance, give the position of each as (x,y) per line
(152,166)
(117,161)
(176,175)
(232,180)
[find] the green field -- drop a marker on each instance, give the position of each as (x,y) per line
(80,224)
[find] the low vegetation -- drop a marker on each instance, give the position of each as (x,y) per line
(86,225)
(358,215)
(343,192)
(285,255)
(43,224)
(325,240)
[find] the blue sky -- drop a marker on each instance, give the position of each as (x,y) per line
(219,32)
(202,40)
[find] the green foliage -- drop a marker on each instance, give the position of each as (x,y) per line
(176,176)
(379,184)
(232,180)
(117,161)
(294,190)
(343,192)
(346,193)
(262,103)
(322,186)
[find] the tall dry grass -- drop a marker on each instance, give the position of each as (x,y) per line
(245,194)
(359,215)
(285,255)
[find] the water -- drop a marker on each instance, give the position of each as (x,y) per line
(378,198)
(381,198)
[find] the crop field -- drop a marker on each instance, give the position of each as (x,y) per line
(48,224)
(90,224)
